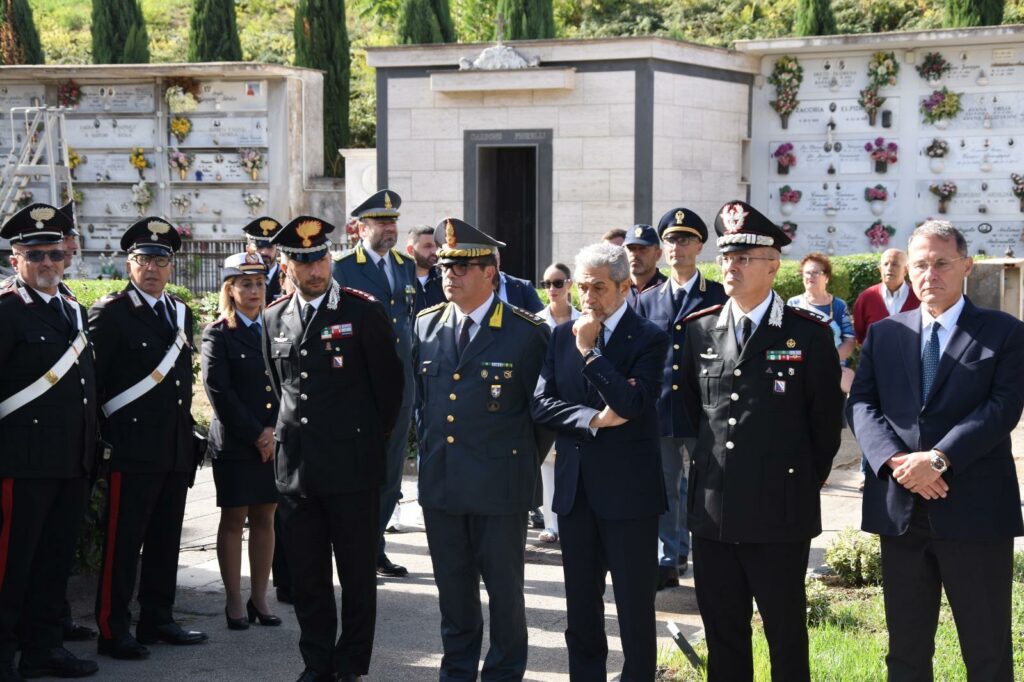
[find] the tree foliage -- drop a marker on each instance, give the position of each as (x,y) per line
(119,33)
(321,42)
(213,33)
(814,18)
(418,24)
(974,13)
(19,40)
(527,19)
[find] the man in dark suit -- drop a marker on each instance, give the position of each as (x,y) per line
(477,360)
(48,431)
(644,250)
(376,267)
(259,233)
(143,340)
(761,382)
(598,390)
(682,235)
(516,291)
(331,356)
(936,395)
(422,248)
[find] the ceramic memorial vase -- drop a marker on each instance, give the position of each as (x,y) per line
(782,169)
(877,207)
(936,164)
(255,174)
(786,208)
(881,166)
(942,123)
(872,117)
(182,172)
(943,205)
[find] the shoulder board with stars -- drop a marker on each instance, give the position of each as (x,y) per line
(527,315)
(701,313)
(359,293)
(279,301)
(808,315)
(432,309)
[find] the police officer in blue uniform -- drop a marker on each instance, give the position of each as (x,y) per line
(477,360)
(644,250)
(761,382)
(330,351)
(376,267)
(48,428)
(259,233)
(682,235)
(143,340)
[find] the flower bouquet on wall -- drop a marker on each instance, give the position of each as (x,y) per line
(785,157)
(883,70)
(181,162)
(945,191)
(786,76)
(142,196)
(69,94)
(882,153)
(937,151)
(138,160)
(251,161)
(870,102)
(788,199)
(879,234)
(180,128)
(876,197)
(1018,188)
(182,95)
(933,67)
(940,107)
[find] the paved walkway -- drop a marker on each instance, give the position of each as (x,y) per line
(408,639)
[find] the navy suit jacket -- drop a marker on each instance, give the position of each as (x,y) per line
(620,466)
(521,294)
(657,306)
(975,402)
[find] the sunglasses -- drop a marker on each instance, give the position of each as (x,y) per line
(682,239)
(556,283)
(56,256)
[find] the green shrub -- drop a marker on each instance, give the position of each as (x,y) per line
(819,606)
(856,558)
(88,291)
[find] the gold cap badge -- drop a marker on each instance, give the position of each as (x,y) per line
(791,343)
(387,200)
(157,228)
(308,229)
(639,231)
(679,217)
(268,226)
(41,214)
(449,234)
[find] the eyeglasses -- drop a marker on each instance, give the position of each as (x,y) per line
(678,239)
(461,268)
(813,273)
(144,260)
(941,265)
(742,261)
(556,283)
(37,256)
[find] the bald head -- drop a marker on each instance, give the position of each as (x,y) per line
(893,268)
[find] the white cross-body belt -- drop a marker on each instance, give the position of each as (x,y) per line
(52,376)
(157,375)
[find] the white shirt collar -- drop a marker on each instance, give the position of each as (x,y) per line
(755,315)
(686,286)
(149,299)
(546,315)
(612,320)
(43,295)
(374,256)
(239,315)
(902,289)
(947,319)
(300,302)
(477,314)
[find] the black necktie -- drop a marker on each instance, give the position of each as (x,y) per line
(747,330)
(161,314)
(58,305)
(384,273)
(464,327)
(307,314)
(677,298)
(257,331)
(600,338)
(930,361)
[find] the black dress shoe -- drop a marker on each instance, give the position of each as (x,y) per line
(684,565)
(667,577)
(537,519)
(313,676)
(264,618)
(172,633)
(349,677)
(386,568)
(76,632)
(58,662)
(125,648)
(235,623)
(284,595)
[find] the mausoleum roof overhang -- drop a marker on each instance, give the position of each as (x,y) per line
(106,72)
(902,40)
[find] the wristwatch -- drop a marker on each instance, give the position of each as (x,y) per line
(594,352)
(938,462)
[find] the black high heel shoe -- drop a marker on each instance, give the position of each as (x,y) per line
(236,623)
(263,618)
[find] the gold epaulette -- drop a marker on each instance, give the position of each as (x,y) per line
(432,309)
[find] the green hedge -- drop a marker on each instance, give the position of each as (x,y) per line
(88,291)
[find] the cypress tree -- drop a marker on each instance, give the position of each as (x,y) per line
(973,13)
(527,19)
(443,13)
(213,32)
(321,42)
(19,40)
(119,33)
(417,23)
(814,18)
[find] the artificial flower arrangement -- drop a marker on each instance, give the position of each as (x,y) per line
(180,127)
(883,69)
(789,229)
(253,200)
(251,161)
(24,198)
(786,76)
(74,161)
(1018,188)
(882,153)
(184,231)
(870,102)
(788,198)
(180,161)
(876,193)
(138,160)
(76,195)
(182,95)
(945,191)
(181,203)
(937,149)
(933,67)
(69,94)
(784,157)
(879,234)
(940,106)
(142,196)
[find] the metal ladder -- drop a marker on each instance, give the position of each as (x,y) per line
(36,134)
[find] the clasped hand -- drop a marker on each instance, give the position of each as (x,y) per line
(915,473)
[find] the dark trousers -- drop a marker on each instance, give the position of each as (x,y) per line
(39,521)
(464,548)
(144,513)
(591,547)
(396,452)
(726,576)
(312,527)
(282,576)
(977,577)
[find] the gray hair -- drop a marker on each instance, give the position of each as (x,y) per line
(604,255)
(940,229)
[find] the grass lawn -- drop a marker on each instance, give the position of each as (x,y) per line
(849,641)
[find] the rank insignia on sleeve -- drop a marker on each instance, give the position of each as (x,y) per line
(779,386)
(338,361)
